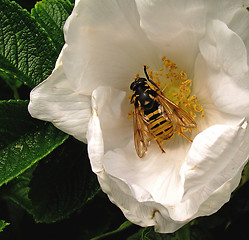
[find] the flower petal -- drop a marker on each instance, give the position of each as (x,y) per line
(213,115)
(95,142)
(216,156)
(175,29)
(113,108)
(177,26)
(240,25)
(54,100)
(146,213)
(105,45)
(228,77)
(109,127)
(156,173)
(223,49)
(219,197)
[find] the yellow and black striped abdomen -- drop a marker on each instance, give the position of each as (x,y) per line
(161,128)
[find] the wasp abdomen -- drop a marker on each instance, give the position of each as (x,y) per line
(160,128)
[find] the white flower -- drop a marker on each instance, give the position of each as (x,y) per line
(107,44)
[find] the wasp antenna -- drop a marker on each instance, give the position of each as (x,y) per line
(147,76)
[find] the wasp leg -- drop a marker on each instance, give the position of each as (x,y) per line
(130,114)
(185,136)
(160,146)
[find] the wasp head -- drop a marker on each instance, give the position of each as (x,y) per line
(138,82)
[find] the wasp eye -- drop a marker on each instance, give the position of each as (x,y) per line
(133,85)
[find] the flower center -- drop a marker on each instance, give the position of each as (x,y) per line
(176,86)
(160,99)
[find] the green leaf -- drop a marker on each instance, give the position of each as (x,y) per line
(27,53)
(59,185)
(18,189)
(24,140)
(100,216)
(5,91)
(51,15)
(3,224)
(63,182)
(244,176)
(202,233)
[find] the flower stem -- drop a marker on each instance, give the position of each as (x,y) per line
(122,227)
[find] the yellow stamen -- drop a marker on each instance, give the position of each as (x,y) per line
(176,86)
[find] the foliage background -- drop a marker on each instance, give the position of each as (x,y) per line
(66,200)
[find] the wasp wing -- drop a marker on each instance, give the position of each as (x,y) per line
(177,115)
(141,133)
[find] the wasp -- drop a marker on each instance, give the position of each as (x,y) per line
(155,116)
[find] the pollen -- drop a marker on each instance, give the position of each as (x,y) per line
(176,86)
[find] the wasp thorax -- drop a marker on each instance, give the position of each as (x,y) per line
(143,96)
